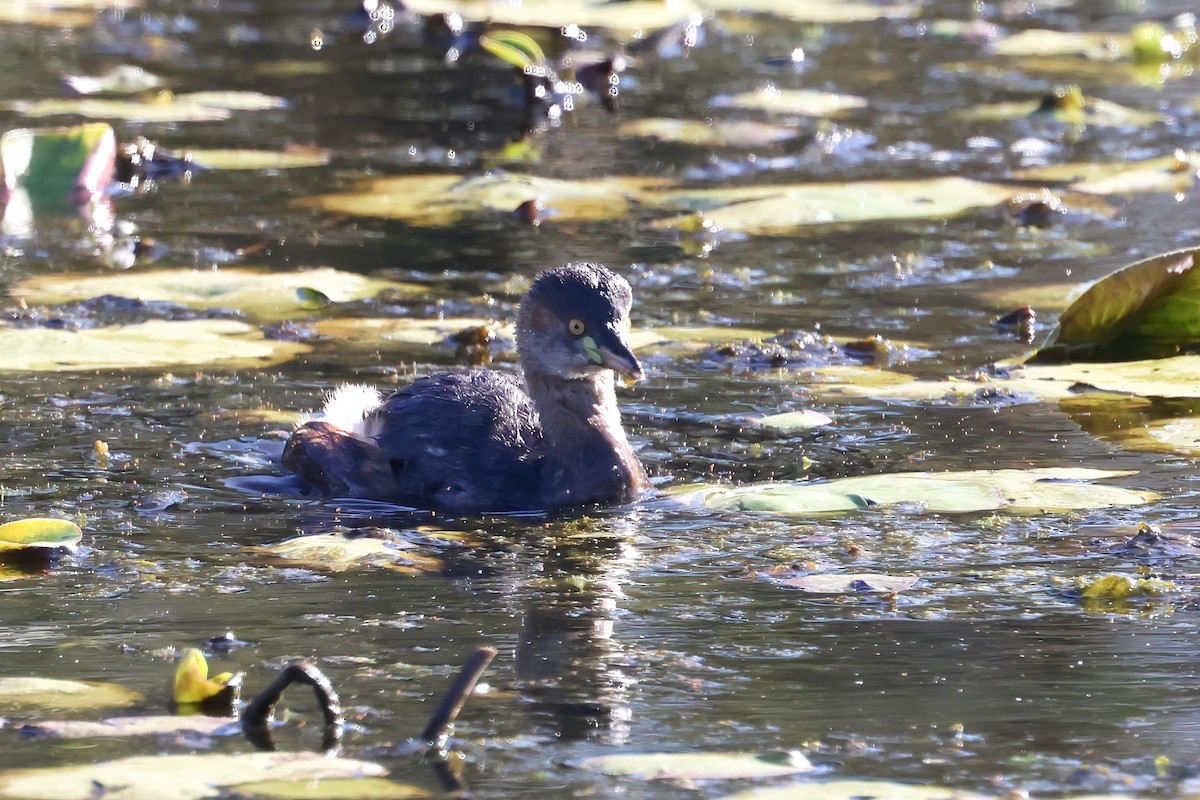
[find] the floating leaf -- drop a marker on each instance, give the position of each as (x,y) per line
(1101,113)
(857,790)
(192,684)
(147,345)
(338,552)
(1012,490)
(403,330)
(133,726)
(847,583)
(699,766)
(57,166)
(260,293)
(311,298)
(121,79)
(63,694)
(177,777)
(298,158)
(783,208)
(39,533)
(332,789)
(60,13)
(820,11)
(515,47)
(433,200)
(1120,587)
(712,133)
(1172,174)
(1147,309)
(195,107)
(632,19)
(800,102)
(1042,42)
(791,421)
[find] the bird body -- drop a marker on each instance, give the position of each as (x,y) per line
(488,440)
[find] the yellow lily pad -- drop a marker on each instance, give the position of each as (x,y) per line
(177,777)
(262,294)
(433,200)
(627,20)
(194,107)
(1012,490)
(1172,174)
(20,692)
(337,552)
(1043,42)
(259,159)
(784,208)
(856,790)
(698,766)
(39,532)
(332,789)
(147,345)
(713,133)
(799,102)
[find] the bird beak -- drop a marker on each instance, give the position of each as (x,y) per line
(614,353)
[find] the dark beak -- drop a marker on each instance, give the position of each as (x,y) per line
(616,355)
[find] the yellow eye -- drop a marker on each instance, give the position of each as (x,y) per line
(576,327)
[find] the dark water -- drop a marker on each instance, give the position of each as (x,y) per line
(629,629)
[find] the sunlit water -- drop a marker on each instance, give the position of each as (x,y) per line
(648,628)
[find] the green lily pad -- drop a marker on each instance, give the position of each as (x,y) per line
(148,345)
(698,766)
(856,790)
(1171,174)
(627,20)
(133,726)
(332,789)
(337,552)
(40,532)
(194,107)
(784,208)
(18,692)
(791,421)
(59,166)
(177,777)
(259,293)
(799,102)
(1012,490)
(121,79)
(847,583)
(1147,309)
(819,11)
(714,133)
(259,159)
(434,200)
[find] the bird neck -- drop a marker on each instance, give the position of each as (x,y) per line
(581,427)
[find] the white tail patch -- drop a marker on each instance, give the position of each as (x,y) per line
(347,407)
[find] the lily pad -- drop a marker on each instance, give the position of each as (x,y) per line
(39,533)
(798,102)
(59,13)
(132,726)
(121,79)
(337,552)
(148,345)
(403,330)
(784,208)
(260,159)
(629,20)
(847,583)
(1012,490)
(194,107)
(1043,42)
(791,421)
(1147,309)
(434,200)
(332,789)
(264,295)
(698,766)
(62,694)
(854,790)
(177,777)
(1100,113)
(819,11)
(713,133)
(1171,174)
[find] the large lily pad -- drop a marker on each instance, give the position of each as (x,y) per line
(856,790)
(713,133)
(21,692)
(433,200)
(1172,174)
(1012,490)
(784,208)
(632,20)
(148,345)
(1147,309)
(39,533)
(699,766)
(1101,113)
(178,777)
(133,726)
(262,294)
(194,107)
(798,102)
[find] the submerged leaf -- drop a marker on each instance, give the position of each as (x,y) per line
(1120,587)
(1147,309)
(63,694)
(39,532)
(699,766)
(177,777)
(338,552)
(1012,490)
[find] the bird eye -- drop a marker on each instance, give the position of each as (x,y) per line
(576,327)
